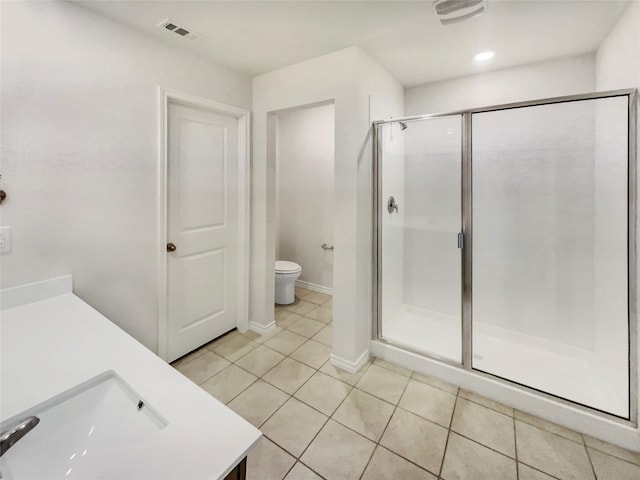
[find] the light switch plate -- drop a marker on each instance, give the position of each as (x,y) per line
(5,239)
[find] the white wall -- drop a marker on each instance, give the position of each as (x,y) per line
(305,157)
(361,90)
(553,78)
(618,58)
(617,67)
(79,152)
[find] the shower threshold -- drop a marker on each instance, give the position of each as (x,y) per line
(561,370)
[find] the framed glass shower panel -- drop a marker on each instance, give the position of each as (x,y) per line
(550,249)
(419,216)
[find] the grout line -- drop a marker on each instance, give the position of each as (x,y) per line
(549,431)
(515,448)
(490,408)
(446,443)
(353,387)
(538,470)
(377,443)
(590,461)
(321,476)
(481,444)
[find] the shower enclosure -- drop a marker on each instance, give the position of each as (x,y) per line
(505,244)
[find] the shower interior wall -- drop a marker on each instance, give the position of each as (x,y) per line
(430,251)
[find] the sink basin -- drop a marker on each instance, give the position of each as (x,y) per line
(82,432)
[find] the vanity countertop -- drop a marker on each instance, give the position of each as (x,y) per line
(53,344)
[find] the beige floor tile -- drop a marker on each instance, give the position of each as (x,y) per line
(612,468)
(466,460)
(306,327)
(548,426)
(416,439)
(435,382)
(493,405)
(383,383)
(347,377)
(288,375)
(525,472)
(251,335)
(302,292)
(284,317)
(188,357)
(322,314)
(316,297)
(258,402)
(385,465)
(228,383)
(428,402)
(258,338)
(551,453)
(235,348)
(203,367)
(629,456)
(485,426)
(405,372)
(268,461)
(323,392)
(285,342)
(293,426)
(260,360)
(338,453)
(312,353)
(325,336)
(364,413)
(302,472)
(221,339)
(328,303)
(301,307)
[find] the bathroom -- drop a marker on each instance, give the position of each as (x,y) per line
(86,87)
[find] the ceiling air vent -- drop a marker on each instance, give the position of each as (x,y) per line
(453,11)
(177,29)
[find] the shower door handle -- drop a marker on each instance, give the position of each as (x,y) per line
(392,205)
(461,240)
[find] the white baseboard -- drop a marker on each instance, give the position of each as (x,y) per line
(351,367)
(262,329)
(314,287)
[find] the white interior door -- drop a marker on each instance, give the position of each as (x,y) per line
(202,227)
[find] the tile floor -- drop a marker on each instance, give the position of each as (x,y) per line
(385,422)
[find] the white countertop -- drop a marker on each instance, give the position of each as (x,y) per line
(54,344)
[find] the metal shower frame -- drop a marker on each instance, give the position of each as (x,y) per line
(467,250)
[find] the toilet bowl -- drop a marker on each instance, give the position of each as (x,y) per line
(286,275)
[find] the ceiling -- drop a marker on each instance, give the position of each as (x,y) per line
(404,37)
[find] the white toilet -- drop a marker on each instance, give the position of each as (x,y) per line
(286,275)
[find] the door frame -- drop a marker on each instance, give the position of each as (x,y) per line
(243,116)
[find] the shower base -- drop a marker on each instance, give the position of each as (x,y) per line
(562,370)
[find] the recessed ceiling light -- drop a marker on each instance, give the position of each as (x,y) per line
(484,56)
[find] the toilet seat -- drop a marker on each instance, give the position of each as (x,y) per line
(282,266)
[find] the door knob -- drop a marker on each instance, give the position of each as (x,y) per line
(171,247)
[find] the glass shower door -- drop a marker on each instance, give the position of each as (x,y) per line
(550,210)
(419,219)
